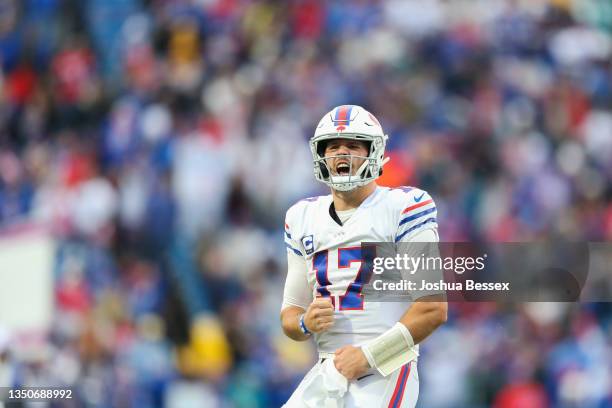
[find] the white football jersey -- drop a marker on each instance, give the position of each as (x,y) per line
(332,253)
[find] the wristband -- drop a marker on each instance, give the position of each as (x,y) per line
(303,327)
(391,350)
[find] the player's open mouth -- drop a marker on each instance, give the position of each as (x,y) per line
(343,169)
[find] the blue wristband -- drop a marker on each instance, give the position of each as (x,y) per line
(303,327)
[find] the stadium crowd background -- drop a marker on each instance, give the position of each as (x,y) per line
(162,141)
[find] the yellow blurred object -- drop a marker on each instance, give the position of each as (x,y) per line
(208,352)
(298,356)
(184,44)
(561,4)
(259,20)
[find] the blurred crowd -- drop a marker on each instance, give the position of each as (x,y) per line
(161,142)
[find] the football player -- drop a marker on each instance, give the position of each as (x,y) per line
(373,345)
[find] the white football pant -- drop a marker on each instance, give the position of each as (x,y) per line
(324,387)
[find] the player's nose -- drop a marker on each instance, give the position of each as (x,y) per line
(343,149)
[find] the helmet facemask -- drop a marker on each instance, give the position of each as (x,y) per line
(369,169)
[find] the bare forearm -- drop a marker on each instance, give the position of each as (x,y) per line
(290,322)
(425,316)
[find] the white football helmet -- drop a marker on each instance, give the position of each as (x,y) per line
(349,122)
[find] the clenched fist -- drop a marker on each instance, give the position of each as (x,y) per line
(351,362)
(320,315)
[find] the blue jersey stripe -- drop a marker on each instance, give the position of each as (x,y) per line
(399,237)
(417,215)
(293,249)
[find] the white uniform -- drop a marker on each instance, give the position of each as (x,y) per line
(330,257)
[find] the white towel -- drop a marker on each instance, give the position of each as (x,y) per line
(326,388)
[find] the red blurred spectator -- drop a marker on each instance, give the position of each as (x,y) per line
(308,19)
(528,395)
(73,69)
(72,293)
(21,84)
(399,171)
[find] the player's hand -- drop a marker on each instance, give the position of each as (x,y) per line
(351,362)
(320,315)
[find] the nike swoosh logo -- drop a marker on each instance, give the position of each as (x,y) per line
(419,198)
(365,376)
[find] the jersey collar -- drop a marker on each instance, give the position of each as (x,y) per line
(366,203)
